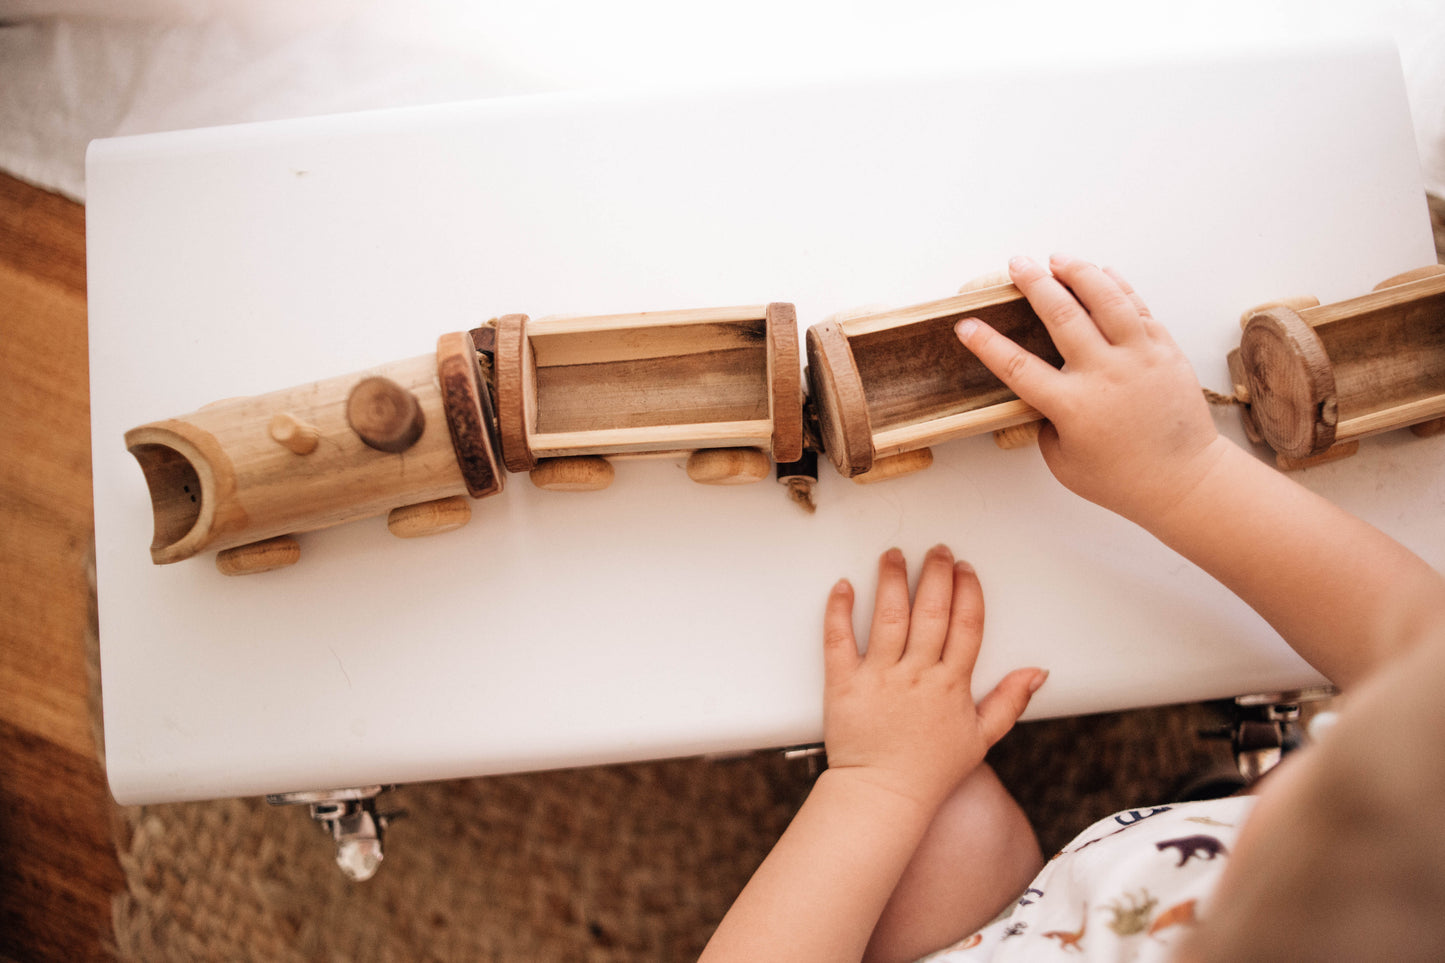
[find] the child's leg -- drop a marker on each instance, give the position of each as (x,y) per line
(978,854)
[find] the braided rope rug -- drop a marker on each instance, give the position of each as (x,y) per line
(631,862)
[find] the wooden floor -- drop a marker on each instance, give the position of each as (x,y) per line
(58,866)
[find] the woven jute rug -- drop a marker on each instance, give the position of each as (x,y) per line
(616,863)
(633,862)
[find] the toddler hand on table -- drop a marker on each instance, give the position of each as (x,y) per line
(1128,427)
(904,736)
(901,716)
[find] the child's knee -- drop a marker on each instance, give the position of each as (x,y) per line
(985,809)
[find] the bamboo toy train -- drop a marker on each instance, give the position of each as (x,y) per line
(561,397)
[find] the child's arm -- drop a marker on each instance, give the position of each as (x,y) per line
(1129,430)
(902,730)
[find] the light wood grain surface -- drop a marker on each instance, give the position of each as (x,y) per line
(58,867)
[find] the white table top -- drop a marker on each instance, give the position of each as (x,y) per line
(661,618)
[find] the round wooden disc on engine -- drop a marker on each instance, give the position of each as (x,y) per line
(384,415)
(468,408)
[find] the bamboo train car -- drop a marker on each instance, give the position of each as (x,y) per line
(412,439)
(886,386)
(1312,379)
(722,384)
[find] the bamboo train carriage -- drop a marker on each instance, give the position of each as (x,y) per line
(886,386)
(720,383)
(1313,379)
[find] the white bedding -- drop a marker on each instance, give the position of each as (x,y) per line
(71,70)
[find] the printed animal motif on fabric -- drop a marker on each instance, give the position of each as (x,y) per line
(1131,913)
(1191,847)
(1030,896)
(1181,914)
(1144,890)
(1071,940)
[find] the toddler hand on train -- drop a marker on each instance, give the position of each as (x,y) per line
(1127,426)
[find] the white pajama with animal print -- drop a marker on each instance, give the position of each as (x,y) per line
(1127,888)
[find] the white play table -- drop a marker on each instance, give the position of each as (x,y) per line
(662,618)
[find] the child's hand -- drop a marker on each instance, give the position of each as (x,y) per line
(1128,427)
(902,716)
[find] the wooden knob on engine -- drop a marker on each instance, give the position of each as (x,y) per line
(384,415)
(292,433)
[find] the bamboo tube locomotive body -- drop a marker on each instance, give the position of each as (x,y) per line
(251,470)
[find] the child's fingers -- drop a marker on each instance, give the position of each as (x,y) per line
(1152,328)
(840,648)
(965,621)
(1001,708)
(1133,295)
(1115,313)
(932,603)
(889,631)
(1026,374)
(1074,333)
